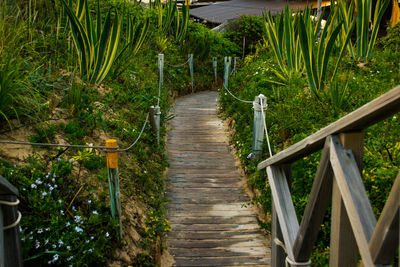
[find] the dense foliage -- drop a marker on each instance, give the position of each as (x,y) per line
(294,112)
(56,87)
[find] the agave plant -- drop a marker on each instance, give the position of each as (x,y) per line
(96,43)
(282,34)
(136,33)
(182,24)
(316,56)
(169,17)
(367,30)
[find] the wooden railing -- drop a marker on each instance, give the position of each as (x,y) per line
(338,180)
(10,244)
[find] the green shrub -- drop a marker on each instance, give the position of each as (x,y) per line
(59,226)
(45,133)
(246,30)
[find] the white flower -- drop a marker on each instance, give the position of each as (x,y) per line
(89,202)
(70,258)
(55,257)
(38,181)
(61,212)
(39,231)
(33,186)
(69,247)
(78,229)
(37,244)
(95,212)
(107,234)
(68,224)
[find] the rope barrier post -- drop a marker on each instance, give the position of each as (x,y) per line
(191,70)
(113,182)
(234,64)
(227,67)
(259,106)
(215,62)
(10,246)
(155,114)
(161,75)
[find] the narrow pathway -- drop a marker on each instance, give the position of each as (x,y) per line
(211,225)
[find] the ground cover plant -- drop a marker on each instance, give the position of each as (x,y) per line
(294,112)
(56,86)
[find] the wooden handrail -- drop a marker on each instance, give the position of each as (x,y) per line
(367,115)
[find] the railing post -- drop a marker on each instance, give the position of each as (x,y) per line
(259,103)
(278,255)
(234,64)
(343,247)
(155,114)
(215,62)
(161,74)
(227,68)
(113,183)
(191,70)
(10,251)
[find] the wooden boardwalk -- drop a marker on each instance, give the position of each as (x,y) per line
(211,225)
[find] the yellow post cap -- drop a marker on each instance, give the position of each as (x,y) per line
(112,157)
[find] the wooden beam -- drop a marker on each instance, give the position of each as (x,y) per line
(278,254)
(343,248)
(318,203)
(356,202)
(385,240)
(372,112)
(284,206)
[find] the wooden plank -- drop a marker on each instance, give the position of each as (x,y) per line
(216,252)
(233,261)
(278,257)
(367,115)
(216,243)
(212,220)
(385,239)
(343,248)
(284,206)
(202,185)
(209,235)
(318,203)
(212,213)
(356,202)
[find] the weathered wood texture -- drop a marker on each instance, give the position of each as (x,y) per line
(372,112)
(343,248)
(212,224)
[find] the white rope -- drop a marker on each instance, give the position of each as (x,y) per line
(265,128)
(9,203)
(237,98)
(288,260)
(179,65)
(14,223)
(137,139)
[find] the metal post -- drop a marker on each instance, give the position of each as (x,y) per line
(155,114)
(113,182)
(191,70)
(227,68)
(161,75)
(215,62)
(258,126)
